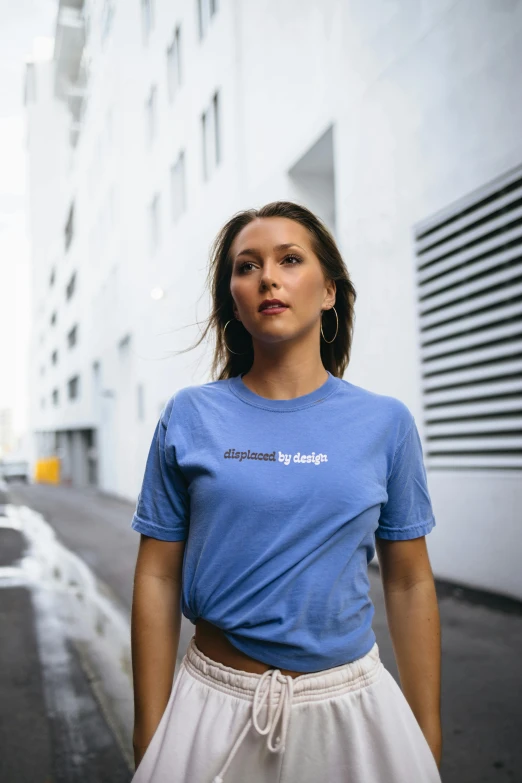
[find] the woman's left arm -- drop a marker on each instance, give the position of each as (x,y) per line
(413,620)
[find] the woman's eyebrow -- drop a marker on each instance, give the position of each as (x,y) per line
(254,252)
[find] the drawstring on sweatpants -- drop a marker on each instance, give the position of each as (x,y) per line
(283,708)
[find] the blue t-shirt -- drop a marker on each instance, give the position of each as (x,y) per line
(280,502)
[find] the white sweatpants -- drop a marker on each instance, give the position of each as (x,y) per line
(348,724)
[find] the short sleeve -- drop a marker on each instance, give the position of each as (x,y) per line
(407,512)
(162,510)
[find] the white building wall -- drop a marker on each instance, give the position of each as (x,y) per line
(416,104)
(440,119)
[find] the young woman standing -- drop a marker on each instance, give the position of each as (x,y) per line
(266,494)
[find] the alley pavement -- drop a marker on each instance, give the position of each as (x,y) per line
(43,739)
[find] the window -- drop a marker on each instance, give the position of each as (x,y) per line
(106,18)
(69,227)
(150,114)
(72,337)
(140,402)
(42,369)
(73,387)
(177,186)
(30,87)
(53,318)
(216,128)
(54,357)
(55,397)
(469,305)
(201,20)
(96,376)
(52,278)
(71,285)
(205,151)
(42,402)
(124,345)
(147,18)
(154,221)
(174,64)
(207,9)
(211,137)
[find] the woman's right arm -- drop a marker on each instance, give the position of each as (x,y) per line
(155,630)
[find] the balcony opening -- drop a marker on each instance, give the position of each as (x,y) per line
(312,179)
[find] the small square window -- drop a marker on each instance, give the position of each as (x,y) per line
(216,122)
(206,10)
(150,114)
(72,337)
(174,64)
(147,18)
(106,18)
(124,345)
(69,227)
(211,136)
(154,222)
(71,286)
(177,186)
(205,143)
(73,387)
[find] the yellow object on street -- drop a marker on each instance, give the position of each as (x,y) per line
(47,471)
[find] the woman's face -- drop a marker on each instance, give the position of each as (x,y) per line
(272,258)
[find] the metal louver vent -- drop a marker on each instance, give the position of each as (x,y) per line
(469,284)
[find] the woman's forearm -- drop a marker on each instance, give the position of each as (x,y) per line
(155,630)
(414,624)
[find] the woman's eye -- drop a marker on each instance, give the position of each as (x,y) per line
(242,267)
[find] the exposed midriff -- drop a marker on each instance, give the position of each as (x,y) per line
(213,643)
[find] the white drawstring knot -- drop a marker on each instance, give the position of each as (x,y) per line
(283,708)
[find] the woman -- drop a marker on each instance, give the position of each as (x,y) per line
(266,493)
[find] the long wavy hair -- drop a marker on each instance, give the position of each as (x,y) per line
(336,355)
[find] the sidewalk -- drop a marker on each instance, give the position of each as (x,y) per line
(481,646)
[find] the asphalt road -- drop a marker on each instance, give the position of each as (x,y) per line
(52,729)
(481,652)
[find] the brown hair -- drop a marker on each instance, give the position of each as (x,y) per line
(336,355)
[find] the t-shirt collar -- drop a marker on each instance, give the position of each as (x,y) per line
(241,390)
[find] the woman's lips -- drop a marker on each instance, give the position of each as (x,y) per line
(273,310)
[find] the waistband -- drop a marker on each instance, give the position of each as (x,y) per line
(312,686)
(274,694)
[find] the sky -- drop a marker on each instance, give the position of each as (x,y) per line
(21,22)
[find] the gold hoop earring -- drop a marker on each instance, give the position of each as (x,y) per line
(335,335)
(225,341)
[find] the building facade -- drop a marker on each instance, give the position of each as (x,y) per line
(397,122)
(7,438)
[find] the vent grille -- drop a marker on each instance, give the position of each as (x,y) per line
(469,284)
